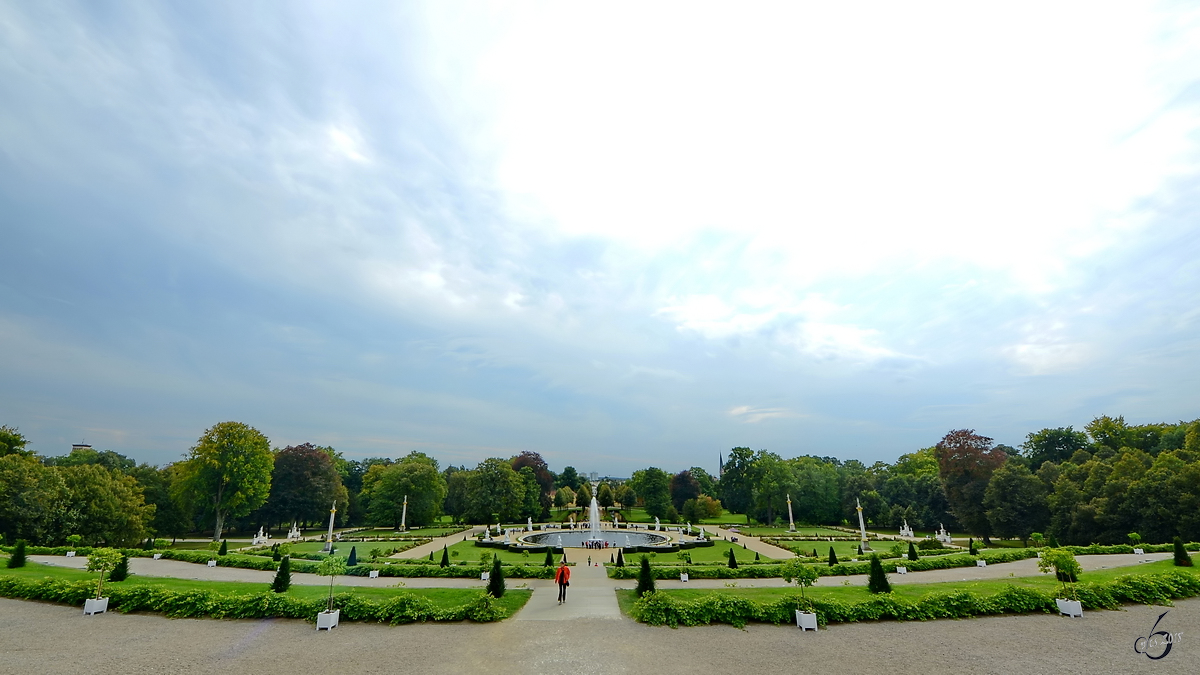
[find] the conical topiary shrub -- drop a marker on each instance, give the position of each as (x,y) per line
(620,557)
(446,557)
(732,560)
(224,547)
(549,561)
(120,571)
(756,558)
(275,554)
(283,575)
(431,556)
(17,559)
(860,549)
(832,557)
(1182,559)
(1053,541)
(645,578)
(878,583)
(816,554)
(971,546)
(912,551)
(353,559)
(495,587)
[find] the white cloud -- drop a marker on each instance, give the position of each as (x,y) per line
(750,415)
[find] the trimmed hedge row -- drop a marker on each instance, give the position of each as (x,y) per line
(419,568)
(660,608)
(932,562)
(404,608)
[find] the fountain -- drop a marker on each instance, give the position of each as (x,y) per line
(594,536)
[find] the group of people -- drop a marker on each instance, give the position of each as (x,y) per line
(595,544)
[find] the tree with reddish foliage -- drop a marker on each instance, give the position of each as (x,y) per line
(303,485)
(541,473)
(683,487)
(966,461)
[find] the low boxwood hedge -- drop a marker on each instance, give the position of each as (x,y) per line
(404,608)
(660,608)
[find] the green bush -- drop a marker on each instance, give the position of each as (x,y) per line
(402,608)
(620,557)
(912,552)
(121,571)
(353,559)
(1182,559)
(930,545)
(283,576)
(17,559)
(224,550)
(733,564)
(445,557)
(832,557)
(663,609)
(549,561)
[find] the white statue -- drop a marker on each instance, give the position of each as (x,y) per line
(529,524)
(656,524)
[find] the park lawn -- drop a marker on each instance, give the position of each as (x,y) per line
(801,531)
(512,601)
(718,552)
(468,551)
(726,518)
(910,592)
(342,548)
(419,533)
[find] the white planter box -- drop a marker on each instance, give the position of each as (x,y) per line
(95,606)
(901,570)
(328,620)
(683,576)
(806,621)
(157,556)
(1069,607)
(373,574)
(212,563)
(70,554)
(981,563)
(485,576)
(1139,551)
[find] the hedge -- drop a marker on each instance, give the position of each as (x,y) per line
(417,568)
(661,608)
(404,608)
(940,562)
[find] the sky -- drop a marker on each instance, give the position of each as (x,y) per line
(619,234)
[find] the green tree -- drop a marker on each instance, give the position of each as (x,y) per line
(224,550)
(420,482)
(737,481)
(353,559)
(494,489)
(1053,445)
(804,575)
(655,491)
(1062,562)
(531,506)
(120,571)
(227,473)
(171,518)
(13,443)
(102,560)
(583,496)
(832,557)
(569,478)
(683,486)
(878,581)
(912,552)
(283,576)
(110,505)
(331,566)
(708,484)
(34,504)
(733,563)
(625,496)
(604,495)
(966,461)
(564,496)
(549,561)
(645,578)
(620,557)
(1015,502)
(496,587)
(445,557)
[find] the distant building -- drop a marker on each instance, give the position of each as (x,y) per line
(80,446)
(593,476)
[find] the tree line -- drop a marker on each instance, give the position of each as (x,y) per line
(1098,485)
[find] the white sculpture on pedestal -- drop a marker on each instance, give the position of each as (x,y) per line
(906,531)
(942,535)
(293,533)
(791,521)
(862,528)
(656,527)
(329,540)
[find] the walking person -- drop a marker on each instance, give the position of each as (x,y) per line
(563,578)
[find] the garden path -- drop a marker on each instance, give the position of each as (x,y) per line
(436,545)
(590,595)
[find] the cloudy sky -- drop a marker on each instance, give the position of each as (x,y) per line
(615,234)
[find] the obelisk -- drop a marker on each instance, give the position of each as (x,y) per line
(866,546)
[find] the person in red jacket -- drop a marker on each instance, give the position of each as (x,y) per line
(563,578)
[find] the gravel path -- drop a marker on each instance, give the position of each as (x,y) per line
(53,639)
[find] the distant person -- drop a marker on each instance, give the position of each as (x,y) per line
(563,578)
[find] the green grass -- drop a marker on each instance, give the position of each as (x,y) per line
(468,551)
(512,601)
(422,533)
(801,531)
(909,591)
(718,552)
(846,550)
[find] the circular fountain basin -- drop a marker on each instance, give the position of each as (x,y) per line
(577,538)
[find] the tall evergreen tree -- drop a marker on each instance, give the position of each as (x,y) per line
(1182,559)
(446,557)
(224,547)
(912,551)
(18,555)
(353,560)
(732,560)
(832,557)
(878,582)
(495,587)
(645,578)
(549,561)
(120,571)
(620,557)
(283,576)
